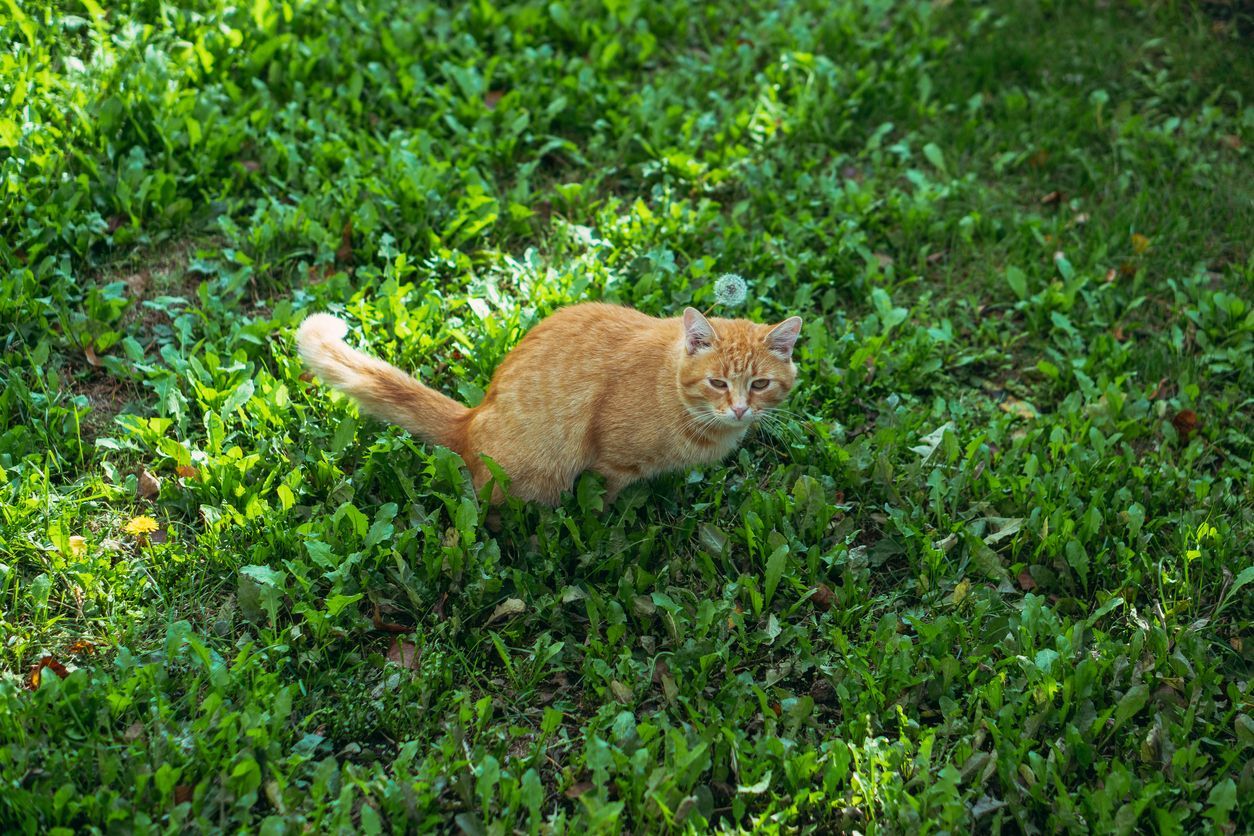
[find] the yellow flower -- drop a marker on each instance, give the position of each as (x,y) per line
(139,526)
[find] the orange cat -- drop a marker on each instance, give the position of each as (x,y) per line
(592,387)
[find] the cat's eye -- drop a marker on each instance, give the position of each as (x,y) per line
(718,384)
(760,384)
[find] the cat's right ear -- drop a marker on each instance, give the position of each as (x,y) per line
(698,335)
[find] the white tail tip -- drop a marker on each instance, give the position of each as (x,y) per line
(320,327)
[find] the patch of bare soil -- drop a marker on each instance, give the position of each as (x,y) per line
(152,272)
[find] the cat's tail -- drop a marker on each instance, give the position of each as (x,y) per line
(383,390)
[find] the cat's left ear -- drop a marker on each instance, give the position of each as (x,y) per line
(698,334)
(783,337)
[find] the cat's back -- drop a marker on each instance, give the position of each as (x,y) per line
(594,318)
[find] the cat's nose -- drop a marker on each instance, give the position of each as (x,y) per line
(740,411)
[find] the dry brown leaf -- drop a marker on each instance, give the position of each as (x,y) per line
(1052,198)
(1026,582)
(89,351)
(386,626)
(81,647)
(149,485)
(822,597)
(186,471)
(183,793)
(1022,409)
(1186,423)
(404,653)
(492,98)
(1140,243)
(576,790)
(133,732)
(507,608)
(137,283)
(36,671)
(344,255)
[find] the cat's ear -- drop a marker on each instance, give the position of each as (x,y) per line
(783,337)
(698,335)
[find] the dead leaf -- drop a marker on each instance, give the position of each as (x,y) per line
(961,591)
(137,283)
(1162,390)
(115,223)
(884,260)
(1005,527)
(1026,582)
(183,793)
(386,626)
(1111,274)
(1127,269)
(1021,409)
(1052,198)
(1038,158)
(1081,219)
(344,255)
(186,471)
(89,351)
(159,536)
(822,691)
(621,692)
(492,98)
(1139,243)
(149,485)
(320,272)
(576,790)
(404,653)
(250,166)
(936,258)
(1118,334)
(822,597)
(36,671)
(662,677)
(81,647)
(133,732)
(508,607)
(1186,423)
(1232,141)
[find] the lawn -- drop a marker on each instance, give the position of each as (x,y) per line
(994,572)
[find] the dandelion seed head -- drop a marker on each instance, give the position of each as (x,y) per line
(731,290)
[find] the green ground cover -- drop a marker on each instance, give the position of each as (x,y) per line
(994,572)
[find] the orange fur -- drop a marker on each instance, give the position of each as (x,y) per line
(592,387)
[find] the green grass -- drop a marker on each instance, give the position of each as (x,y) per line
(994,574)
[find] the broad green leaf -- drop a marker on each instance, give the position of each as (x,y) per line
(775,570)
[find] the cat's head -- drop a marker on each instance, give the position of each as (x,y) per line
(733,371)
